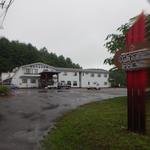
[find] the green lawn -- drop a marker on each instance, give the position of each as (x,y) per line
(96,126)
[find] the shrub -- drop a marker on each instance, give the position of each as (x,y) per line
(4,90)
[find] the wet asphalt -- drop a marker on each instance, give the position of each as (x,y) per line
(28,114)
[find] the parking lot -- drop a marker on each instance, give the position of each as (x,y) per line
(27,115)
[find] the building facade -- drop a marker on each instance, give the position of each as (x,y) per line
(29,76)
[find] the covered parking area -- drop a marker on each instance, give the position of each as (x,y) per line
(48,78)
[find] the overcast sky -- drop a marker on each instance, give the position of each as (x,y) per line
(73,28)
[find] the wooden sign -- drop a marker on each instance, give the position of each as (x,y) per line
(134,60)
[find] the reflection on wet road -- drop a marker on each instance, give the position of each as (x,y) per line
(29,113)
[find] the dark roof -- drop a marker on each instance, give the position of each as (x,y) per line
(50,72)
(68,69)
(96,70)
(59,69)
(82,70)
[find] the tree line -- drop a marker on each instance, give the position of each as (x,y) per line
(14,54)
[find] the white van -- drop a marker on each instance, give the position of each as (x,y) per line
(95,86)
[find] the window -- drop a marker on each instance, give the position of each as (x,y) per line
(62,82)
(86,73)
(105,83)
(74,83)
(92,74)
(35,71)
(75,74)
(65,73)
(68,82)
(105,75)
(83,74)
(88,83)
(24,80)
(27,71)
(33,80)
(98,75)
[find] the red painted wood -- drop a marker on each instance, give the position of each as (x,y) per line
(136,81)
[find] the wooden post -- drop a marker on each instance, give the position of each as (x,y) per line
(136,61)
(136,81)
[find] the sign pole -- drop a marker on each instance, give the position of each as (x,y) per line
(136,81)
(136,61)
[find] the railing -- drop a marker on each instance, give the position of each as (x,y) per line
(31,73)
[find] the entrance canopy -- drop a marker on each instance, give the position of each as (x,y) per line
(46,78)
(49,72)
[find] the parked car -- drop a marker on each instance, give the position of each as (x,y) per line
(51,87)
(95,86)
(63,85)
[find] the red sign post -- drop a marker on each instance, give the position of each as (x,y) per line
(136,80)
(136,60)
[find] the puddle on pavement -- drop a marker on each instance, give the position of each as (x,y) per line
(45,128)
(62,91)
(30,129)
(42,91)
(37,117)
(50,106)
(27,115)
(66,105)
(32,116)
(2,118)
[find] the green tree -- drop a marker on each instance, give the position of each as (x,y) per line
(61,61)
(68,62)
(14,54)
(114,43)
(117,78)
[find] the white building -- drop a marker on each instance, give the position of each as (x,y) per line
(29,76)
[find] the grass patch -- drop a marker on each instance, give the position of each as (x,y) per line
(4,90)
(96,126)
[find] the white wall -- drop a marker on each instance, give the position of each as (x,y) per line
(21,73)
(35,69)
(100,80)
(4,76)
(85,78)
(69,77)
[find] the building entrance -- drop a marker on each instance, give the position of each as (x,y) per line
(48,79)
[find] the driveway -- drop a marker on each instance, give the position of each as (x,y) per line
(29,113)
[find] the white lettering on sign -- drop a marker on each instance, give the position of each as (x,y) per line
(135,60)
(135,56)
(135,65)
